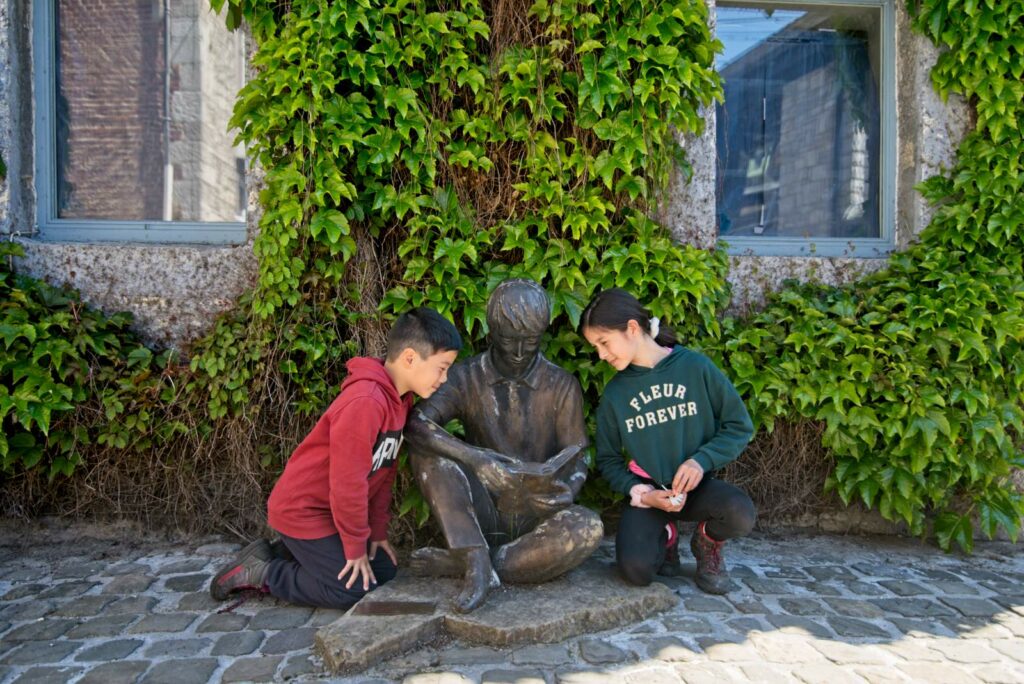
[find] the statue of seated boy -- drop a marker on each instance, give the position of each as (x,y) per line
(504,495)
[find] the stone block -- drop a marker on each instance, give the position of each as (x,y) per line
(670,650)
(177,648)
(223,622)
(39,631)
(218,549)
(359,641)
(184,565)
(41,652)
(791,624)
(281,618)
(687,624)
(237,643)
(252,669)
(190,671)
(67,589)
(831,572)
(473,655)
(653,675)
(78,569)
(48,675)
(842,653)
(105,626)
(129,584)
(124,672)
(972,607)
(110,650)
(852,627)
(598,652)
(21,591)
(708,604)
(297,666)
(201,600)
(549,655)
(855,608)
(163,622)
(937,673)
(437,678)
(802,606)
(130,604)
(289,640)
(83,606)
(186,582)
(817,673)
(785,648)
(910,607)
(512,677)
(904,588)
(962,651)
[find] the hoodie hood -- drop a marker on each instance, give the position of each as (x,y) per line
(362,369)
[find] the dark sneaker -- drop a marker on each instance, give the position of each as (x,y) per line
(711,575)
(279,550)
(248,570)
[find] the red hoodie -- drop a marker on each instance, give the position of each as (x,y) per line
(338,480)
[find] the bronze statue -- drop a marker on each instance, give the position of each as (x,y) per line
(504,495)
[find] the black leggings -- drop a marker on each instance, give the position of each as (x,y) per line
(312,578)
(640,542)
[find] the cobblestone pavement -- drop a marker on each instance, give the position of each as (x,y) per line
(76,606)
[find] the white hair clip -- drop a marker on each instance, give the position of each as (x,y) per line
(655,326)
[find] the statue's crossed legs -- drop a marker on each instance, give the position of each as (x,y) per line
(497,539)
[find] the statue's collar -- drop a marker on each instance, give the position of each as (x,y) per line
(491,375)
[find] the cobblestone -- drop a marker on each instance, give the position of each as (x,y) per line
(860,610)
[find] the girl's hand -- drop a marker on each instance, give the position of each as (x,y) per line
(663,500)
(687,477)
(359,567)
(383,544)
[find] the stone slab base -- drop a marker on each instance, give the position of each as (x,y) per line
(591,598)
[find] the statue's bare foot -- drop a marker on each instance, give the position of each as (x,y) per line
(434,562)
(480,578)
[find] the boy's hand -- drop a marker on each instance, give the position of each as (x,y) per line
(687,477)
(383,544)
(661,499)
(358,567)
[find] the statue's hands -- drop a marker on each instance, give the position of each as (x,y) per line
(554,498)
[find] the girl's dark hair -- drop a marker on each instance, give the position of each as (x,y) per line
(614,309)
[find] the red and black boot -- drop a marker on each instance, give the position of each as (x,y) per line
(671,567)
(248,570)
(711,576)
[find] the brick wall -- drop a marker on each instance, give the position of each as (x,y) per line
(110,56)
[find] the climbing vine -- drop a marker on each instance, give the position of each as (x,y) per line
(419,153)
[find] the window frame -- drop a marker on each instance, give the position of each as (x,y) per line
(878,247)
(50,226)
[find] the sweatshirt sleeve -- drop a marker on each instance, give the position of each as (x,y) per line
(609,456)
(733,427)
(354,430)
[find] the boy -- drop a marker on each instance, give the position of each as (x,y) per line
(331,505)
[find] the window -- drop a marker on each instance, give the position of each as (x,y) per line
(133,99)
(805,137)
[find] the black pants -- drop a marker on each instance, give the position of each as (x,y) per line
(312,578)
(640,542)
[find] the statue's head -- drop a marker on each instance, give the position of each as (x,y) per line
(518,313)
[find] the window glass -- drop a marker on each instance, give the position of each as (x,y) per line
(798,133)
(144,91)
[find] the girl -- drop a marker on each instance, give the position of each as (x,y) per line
(678,418)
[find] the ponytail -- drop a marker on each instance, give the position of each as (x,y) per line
(613,310)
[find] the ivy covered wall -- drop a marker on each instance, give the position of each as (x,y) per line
(418,154)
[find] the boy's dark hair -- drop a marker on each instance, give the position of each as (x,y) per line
(425,331)
(613,310)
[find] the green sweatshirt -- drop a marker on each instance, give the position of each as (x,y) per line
(682,408)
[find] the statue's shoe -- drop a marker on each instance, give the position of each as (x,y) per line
(480,579)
